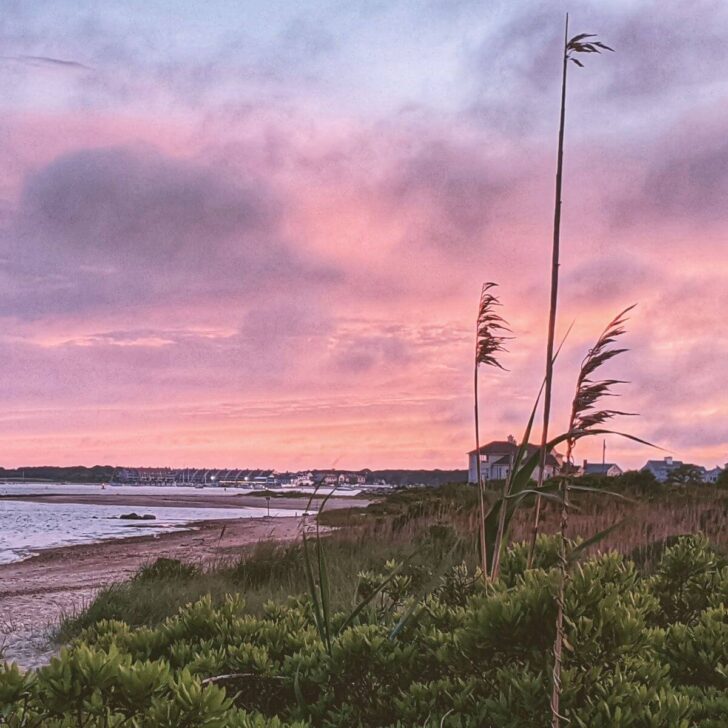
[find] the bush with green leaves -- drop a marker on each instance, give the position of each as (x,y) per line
(164,568)
(690,578)
(640,651)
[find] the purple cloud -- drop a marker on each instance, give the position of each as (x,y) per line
(124,225)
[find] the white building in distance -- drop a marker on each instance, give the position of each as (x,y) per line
(496,461)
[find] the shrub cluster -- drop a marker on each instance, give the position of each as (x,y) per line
(641,651)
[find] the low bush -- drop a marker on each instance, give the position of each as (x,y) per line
(641,651)
(166,569)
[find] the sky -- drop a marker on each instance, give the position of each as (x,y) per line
(254,234)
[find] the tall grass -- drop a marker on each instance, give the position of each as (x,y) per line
(489,343)
(413,526)
(584,416)
(577,44)
(406,528)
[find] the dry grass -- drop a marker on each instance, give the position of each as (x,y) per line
(409,525)
(652,516)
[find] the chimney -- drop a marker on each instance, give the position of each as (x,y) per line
(668,460)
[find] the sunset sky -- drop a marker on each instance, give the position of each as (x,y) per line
(254,233)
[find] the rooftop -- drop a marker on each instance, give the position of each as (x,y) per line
(598,468)
(506,448)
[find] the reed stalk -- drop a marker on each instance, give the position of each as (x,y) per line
(490,328)
(578,44)
(495,569)
(584,416)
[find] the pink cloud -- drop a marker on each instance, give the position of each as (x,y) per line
(291,293)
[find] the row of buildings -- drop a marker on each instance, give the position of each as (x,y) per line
(662,469)
(239,478)
(496,461)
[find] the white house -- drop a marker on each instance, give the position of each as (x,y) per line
(661,469)
(711,476)
(611,470)
(496,460)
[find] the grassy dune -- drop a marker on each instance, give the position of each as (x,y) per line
(419,527)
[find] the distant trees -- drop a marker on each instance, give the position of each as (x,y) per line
(638,480)
(71,474)
(722,481)
(686,474)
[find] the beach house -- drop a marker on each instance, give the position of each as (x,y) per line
(496,460)
(610,470)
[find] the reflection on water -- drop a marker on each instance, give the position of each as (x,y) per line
(27,527)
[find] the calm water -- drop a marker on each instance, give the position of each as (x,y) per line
(27,527)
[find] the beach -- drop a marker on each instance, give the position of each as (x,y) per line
(179,498)
(37,592)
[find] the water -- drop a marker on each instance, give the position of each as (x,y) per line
(161,490)
(27,527)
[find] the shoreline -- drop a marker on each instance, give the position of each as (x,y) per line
(37,592)
(185,500)
(67,552)
(156,543)
(172,513)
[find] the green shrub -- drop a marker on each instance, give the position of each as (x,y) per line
(166,569)
(698,653)
(269,562)
(687,580)
(640,652)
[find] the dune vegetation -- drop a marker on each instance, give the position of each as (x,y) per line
(392,624)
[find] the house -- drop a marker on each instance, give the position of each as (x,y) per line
(661,469)
(496,460)
(711,476)
(352,479)
(610,470)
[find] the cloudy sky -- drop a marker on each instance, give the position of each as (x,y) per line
(255,233)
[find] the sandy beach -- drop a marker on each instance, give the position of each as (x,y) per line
(112,496)
(37,592)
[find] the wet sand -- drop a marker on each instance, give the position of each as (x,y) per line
(36,593)
(111,497)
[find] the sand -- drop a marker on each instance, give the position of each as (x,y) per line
(111,497)
(36,593)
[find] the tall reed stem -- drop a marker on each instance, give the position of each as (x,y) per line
(481,485)
(489,339)
(497,549)
(554,299)
(584,416)
(560,599)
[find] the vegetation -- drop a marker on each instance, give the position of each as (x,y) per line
(490,328)
(418,477)
(584,415)
(685,474)
(643,650)
(237,644)
(416,526)
(581,43)
(72,474)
